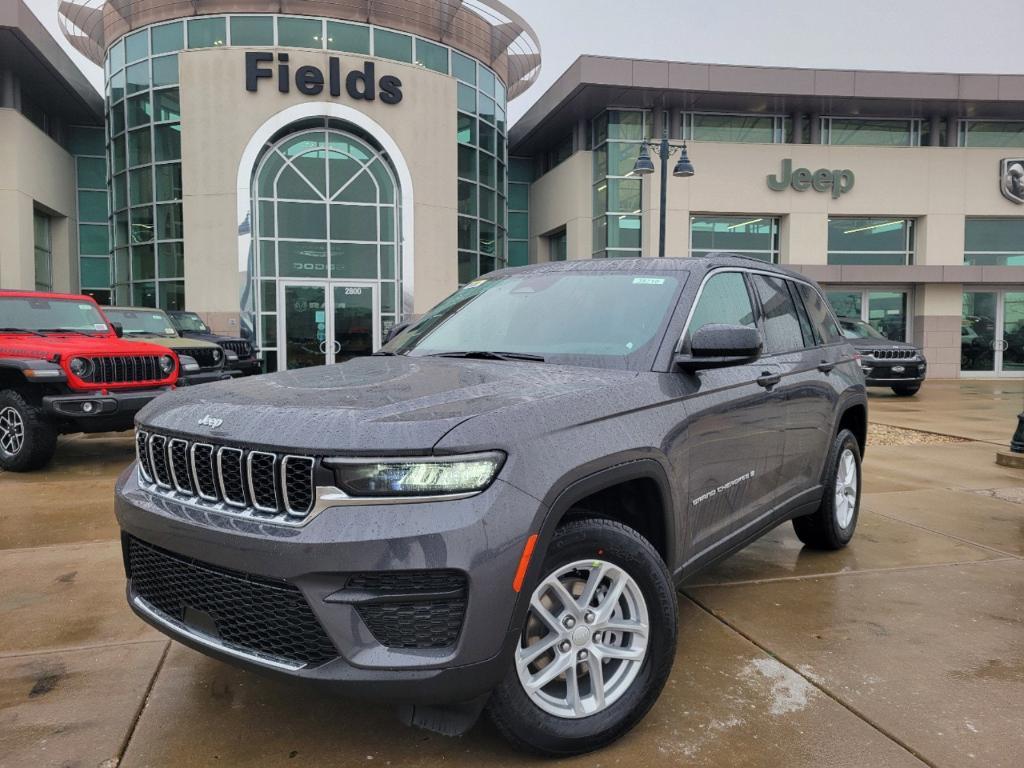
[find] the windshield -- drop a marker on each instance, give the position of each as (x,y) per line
(585,318)
(36,314)
(139,322)
(858,329)
(189,321)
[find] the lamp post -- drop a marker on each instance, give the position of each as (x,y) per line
(644,166)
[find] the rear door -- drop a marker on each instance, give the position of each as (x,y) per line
(733,439)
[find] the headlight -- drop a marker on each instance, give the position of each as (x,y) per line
(80,366)
(216,355)
(230,355)
(166,364)
(416,477)
(188,364)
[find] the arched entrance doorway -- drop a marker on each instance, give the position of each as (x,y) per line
(326,229)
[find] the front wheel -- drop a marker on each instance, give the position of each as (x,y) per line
(597,645)
(27,440)
(833,524)
(906,391)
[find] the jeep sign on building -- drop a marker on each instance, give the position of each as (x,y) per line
(311,172)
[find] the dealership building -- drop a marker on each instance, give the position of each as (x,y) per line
(309,172)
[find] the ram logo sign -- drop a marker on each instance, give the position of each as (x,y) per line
(1011,179)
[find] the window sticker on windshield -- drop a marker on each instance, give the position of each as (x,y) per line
(648,281)
(85,306)
(99,326)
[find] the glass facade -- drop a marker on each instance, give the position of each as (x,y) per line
(876,132)
(994,242)
(737,128)
(884,310)
(43,251)
(87,146)
(756,236)
(990,133)
(870,241)
(616,139)
(144,142)
(519,177)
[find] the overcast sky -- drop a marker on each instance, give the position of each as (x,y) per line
(916,35)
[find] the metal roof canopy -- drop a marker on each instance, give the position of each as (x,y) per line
(594,83)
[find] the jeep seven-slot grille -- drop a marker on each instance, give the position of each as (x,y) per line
(249,614)
(241,348)
(123,369)
(256,482)
(207,357)
(892,354)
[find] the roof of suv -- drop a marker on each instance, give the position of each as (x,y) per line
(45,295)
(701,264)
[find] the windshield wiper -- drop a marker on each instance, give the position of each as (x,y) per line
(20,330)
(483,354)
(64,330)
(387,353)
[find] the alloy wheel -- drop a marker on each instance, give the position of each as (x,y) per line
(12,431)
(585,639)
(846,488)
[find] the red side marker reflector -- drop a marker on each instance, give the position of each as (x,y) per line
(524,563)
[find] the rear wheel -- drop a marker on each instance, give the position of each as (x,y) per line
(907,391)
(27,440)
(833,524)
(597,645)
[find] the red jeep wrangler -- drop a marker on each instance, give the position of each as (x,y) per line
(64,368)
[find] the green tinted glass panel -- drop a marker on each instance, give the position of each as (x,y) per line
(982,133)
(117,56)
(518,254)
(206,33)
(353,222)
(466,130)
(857,234)
(387,223)
(299,33)
(95,273)
(740,129)
(302,259)
(93,239)
(137,77)
(623,231)
(871,132)
(621,157)
(144,294)
(467,162)
(350,38)
(626,125)
(467,197)
(487,171)
(168,38)
(518,197)
(467,233)
(165,70)
(486,108)
(486,81)
(994,235)
(487,137)
(354,260)
(520,169)
(172,295)
(385,182)
(138,110)
(140,148)
(171,260)
(733,233)
(387,261)
(361,189)
(392,45)
(845,303)
(168,181)
(121,229)
(169,222)
(268,263)
(168,142)
(117,119)
(136,46)
(86,141)
(92,172)
(268,295)
(117,87)
(143,262)
(120,191)
(117,154)
(432,56)
(301,220)
(464,68)
(519,226)
(487,204)
(252,30)
(292,185)
(140,186)
(467,267)
(467,98)
(142,225)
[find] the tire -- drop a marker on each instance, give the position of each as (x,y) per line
(833,524)
(585,552)
(27,440)
(907,391)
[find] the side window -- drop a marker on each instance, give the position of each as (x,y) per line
(821,318)
(781,324)
(811,339)
(723,300)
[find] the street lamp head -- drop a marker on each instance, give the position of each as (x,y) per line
(643,165)
(684,168)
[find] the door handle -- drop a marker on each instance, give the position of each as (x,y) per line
(825,366)
(767,379)
(337,346)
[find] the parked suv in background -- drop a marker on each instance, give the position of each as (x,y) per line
(64,369)
(191,326)
(496,508)
(201,361)
(886,363)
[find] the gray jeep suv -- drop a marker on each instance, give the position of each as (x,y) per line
(495,509)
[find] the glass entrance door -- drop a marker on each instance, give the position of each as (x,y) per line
(992,333)
(325,322)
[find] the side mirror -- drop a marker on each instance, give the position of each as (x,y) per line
(395,330)
(721,346)
(118,329)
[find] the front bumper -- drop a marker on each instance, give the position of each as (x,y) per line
(95,412)
(248,367)
(203,377)
(481,537)
(889,373)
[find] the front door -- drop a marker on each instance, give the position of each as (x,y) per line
(992,333)
(325,322)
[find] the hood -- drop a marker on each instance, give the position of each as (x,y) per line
(71,344)
(863,344)
(215,338)
(175,342)
(368,405)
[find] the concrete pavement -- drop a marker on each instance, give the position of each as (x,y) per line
(906,649)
